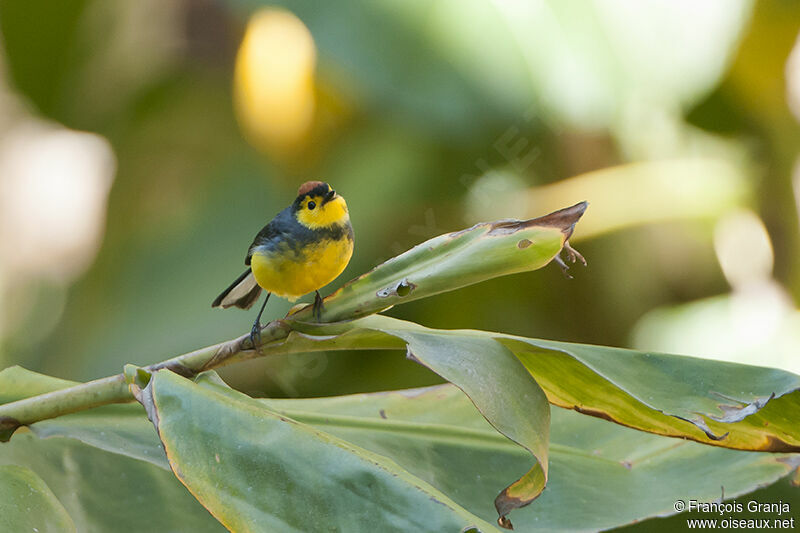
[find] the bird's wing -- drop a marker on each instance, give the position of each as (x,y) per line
(264,236)
(271,233)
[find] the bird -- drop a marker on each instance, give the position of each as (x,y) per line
(302,249)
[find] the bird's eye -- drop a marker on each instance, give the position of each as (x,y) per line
(312,204)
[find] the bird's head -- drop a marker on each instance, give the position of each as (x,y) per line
(318,206)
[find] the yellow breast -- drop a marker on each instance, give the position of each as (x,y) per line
(291,274)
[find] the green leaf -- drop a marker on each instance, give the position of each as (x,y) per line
(497,383)
(122,429)
(28,504)
(256,470)
(725,404)
(108,492)
(668,395)
(435,434)
(602,475)
(451,261)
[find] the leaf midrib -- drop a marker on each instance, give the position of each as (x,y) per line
(485,439)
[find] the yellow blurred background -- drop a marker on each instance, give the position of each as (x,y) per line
(143,144)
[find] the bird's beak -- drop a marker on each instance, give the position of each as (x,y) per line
(328,197)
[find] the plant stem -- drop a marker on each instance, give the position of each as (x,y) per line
(115,389)
(104,391)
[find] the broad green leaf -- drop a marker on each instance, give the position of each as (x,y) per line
(108,492)
(256,470)
(724,404)
(486,371)
(122,429)
(437,435)
(101,491)
(28,504)
(451,261)
(602,475)
(497,383)
(491,376)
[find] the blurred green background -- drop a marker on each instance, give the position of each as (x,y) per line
(143,144)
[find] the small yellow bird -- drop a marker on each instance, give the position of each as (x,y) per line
(302,249)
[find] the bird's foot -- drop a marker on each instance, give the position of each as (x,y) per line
(563,266)
(317,309)
(255,335)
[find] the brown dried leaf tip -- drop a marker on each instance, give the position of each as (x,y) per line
(565,220)
(504,522)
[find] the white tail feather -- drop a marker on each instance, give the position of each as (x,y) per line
(242,293)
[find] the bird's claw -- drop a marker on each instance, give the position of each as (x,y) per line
(255,336)
(563,266)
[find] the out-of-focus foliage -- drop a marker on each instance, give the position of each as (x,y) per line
(274,82)
(427,117)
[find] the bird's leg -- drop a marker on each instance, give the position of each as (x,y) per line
(255,333)
(563,266)
(317,306)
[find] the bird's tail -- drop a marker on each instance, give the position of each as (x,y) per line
(242,293)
